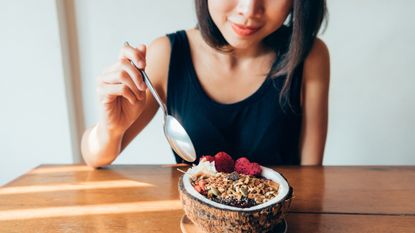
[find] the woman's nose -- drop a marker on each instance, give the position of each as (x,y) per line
(250,8)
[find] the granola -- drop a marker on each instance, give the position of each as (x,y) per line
(235,189)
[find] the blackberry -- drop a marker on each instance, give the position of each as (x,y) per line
(243,203)
(247,202)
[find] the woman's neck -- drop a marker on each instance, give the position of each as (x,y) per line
(238,57)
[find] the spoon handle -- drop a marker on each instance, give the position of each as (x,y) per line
(153,91)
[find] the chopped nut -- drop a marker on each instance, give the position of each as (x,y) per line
(215,191)
(244,191)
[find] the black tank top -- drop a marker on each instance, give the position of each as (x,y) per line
(257,127)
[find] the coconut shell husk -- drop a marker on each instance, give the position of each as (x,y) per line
(213,219)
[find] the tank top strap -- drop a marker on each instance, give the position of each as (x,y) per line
(177,74)
(177,41)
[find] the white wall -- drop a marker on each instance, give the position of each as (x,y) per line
(372,94)
(34,122)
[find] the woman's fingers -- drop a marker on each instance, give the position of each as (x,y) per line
(134,74)
(108,92)
(121,77)
(136,55)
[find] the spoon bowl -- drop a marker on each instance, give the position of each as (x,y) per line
(178,139)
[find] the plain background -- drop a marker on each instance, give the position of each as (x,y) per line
(52,50)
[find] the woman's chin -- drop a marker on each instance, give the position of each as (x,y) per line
(241,43)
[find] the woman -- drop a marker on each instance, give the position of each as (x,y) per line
(241,82)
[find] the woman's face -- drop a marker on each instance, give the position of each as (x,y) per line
(244,23)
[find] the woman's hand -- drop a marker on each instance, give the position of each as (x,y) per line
(122,91)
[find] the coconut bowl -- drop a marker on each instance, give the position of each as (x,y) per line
(213,217)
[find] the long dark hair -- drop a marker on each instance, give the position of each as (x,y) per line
(291,42)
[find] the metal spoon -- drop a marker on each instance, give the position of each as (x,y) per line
(176,135)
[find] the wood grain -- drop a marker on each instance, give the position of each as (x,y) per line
(341,223)
(145,198)
(370,190)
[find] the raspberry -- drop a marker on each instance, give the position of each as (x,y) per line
(243,166)
(224,162)
(242,160)
(207,158)
(255,169)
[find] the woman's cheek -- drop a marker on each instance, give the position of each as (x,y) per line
(219,10)
(221,5)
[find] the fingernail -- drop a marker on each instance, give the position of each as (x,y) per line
(141,65)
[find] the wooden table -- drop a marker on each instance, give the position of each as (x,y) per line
(144,198)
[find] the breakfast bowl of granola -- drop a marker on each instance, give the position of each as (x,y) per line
(222,195)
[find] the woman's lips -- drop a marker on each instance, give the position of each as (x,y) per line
(243,30)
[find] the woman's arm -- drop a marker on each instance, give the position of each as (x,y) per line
(100,144)
(315,89)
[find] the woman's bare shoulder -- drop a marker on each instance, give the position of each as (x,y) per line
(157,61)
(158,53)
(317,63)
